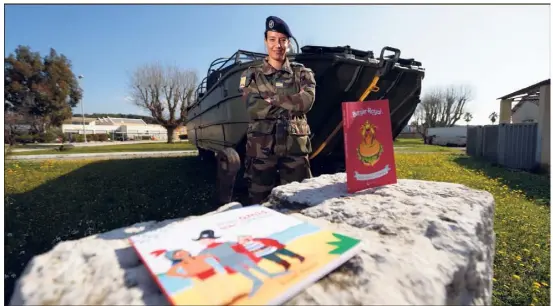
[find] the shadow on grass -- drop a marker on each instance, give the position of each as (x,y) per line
(102,196)
(536,187)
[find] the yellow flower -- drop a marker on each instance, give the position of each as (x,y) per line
(516,277)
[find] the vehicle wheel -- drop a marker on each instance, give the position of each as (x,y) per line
(241,185)
(228,164)
(205,155)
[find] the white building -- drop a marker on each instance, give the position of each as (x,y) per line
(526,110)
(119,128)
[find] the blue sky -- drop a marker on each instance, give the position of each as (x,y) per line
(495,49)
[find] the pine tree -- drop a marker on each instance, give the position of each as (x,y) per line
(343,244)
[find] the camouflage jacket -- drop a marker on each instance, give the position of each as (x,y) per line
(276,102)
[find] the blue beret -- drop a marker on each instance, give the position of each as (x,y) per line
(278,25)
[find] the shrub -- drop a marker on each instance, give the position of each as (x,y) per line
(46,137)
(78,138)
(25,138)
(102,137)
(90,137)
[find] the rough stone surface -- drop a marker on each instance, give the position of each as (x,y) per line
(424,242)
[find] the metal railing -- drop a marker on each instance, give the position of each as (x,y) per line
(240,56)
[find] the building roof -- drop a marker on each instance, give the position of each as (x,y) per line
(79,119)
(119,121)
(528,99)
(126,120)
(530,90)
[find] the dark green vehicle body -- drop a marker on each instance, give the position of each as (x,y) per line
(218,118)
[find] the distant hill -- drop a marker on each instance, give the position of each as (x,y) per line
(147,119)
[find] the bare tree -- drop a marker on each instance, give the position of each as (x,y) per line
(165,92)
(420,124)
(441,107)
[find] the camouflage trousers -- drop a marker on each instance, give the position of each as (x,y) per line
(263,174)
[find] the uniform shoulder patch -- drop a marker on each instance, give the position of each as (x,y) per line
(247,76)
(242,81)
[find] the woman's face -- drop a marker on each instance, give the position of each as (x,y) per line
(277,44)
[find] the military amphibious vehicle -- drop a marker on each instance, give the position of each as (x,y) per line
(217,121)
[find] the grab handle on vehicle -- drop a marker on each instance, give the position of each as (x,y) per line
(396,51)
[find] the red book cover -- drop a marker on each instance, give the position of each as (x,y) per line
(368,145)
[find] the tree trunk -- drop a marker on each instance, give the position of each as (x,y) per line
(170,131)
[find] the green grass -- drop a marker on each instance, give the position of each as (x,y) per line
(408,142)
(138,147)
(417,145)
(50,201)
(522,220)
(426,149)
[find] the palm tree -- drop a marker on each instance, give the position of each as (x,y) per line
(493,116)
(467,117)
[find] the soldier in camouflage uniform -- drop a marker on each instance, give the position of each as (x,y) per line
(278,93)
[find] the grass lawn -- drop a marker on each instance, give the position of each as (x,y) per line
(417,145)
(137,147)
(426,149)
(50,201)
(408,142)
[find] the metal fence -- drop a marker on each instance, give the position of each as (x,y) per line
(510,145)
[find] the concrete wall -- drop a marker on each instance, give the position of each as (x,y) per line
(505,111)
(544,124)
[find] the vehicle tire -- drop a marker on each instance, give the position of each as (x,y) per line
(228,164)
(206,155)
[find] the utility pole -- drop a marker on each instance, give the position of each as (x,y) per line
(82,109)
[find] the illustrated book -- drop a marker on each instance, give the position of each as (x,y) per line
(368,145)
(247,256)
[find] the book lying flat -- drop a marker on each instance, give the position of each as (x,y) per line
(252,255)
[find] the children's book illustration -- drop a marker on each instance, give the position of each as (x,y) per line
(252,255)
(368,145)
(369,149)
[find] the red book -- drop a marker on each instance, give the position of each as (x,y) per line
(368,145)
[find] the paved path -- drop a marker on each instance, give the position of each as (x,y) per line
(27,150)
(49,146)
(110,155)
